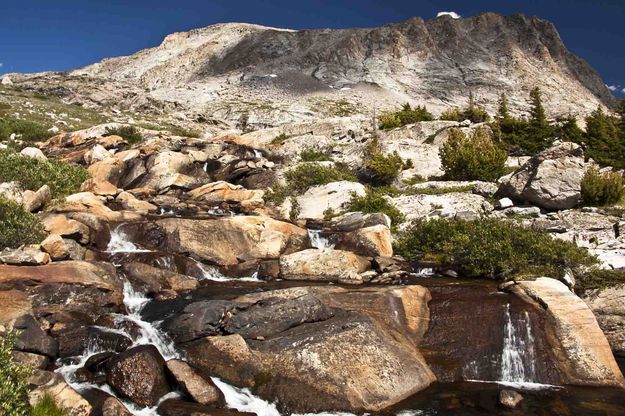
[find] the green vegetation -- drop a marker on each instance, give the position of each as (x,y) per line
(474,158)
(334,108)
(373,202)
(605,138)
(313,155)
(379,169)
(472,112)
(280,139)
(307,175)
(63,178)
(598,279)
(490,248)
(407,115)
(599,189)
(13,386)
(28,131)
(414,180)
(438,191)
(18,227)
(129,133)
(47,407)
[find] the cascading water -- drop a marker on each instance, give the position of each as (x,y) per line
(517,356)
(120,243)
(212,273)
(318,241)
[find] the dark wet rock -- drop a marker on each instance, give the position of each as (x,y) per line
(271,316)
(98,361)
(75,341)
(138,374)
(390,264)
(362,357)
(200,389)
(353,221)
(119,322)
(174,407)
(200,319)
(510,398)
(33,339)
(269,269)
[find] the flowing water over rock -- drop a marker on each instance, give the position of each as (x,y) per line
(518,358)
(318,241)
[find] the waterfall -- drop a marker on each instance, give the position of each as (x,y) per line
(120,243)
(317,241)
(517,356)
(212,273)
(257,154)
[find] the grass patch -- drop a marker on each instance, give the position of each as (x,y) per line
(129,133)
(28,131)
(18,227)
(312,155)
(47,407)
(374,202)
(491,248)
(64,179)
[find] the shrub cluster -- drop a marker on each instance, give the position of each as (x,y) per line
(31,173)
(18,227)
(129,133)
(599,189)
(472,112)
(472,158)
(407,115)
(374,202)
(598,279)
(29,131)
(490,248)
(13,386)
(313,155)
(307,175)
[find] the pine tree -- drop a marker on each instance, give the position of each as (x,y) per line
(502,112)
(538,117)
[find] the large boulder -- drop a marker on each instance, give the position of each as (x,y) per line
(370,241)
(459,205)
(218,192)
(61,225)
(583,353)
(324,265)
(168,169)
(138,374)
(550,180)
(608,305)
(333,196)
(348,350)
(231,240)
(91,288)
(156,280)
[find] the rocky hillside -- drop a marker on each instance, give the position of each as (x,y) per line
(249,74)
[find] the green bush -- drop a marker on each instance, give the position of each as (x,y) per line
(604,139)
(598,279)
(312,155)
(407,115)
(475,158)
(381,170)
(307,175)
(374,202)
(490,248)
(18,227)
(30,131)
(599,189)
(472,113)
(280,139)
(47,407)
(451,114)
(63,178)
(13,386)
(129,133)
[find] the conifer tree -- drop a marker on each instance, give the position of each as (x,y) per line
(502,112)
(538,117)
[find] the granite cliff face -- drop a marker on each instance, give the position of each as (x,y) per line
(246,73)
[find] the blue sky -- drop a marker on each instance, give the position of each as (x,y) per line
(38,35)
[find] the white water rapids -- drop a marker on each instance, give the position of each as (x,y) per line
(318,241)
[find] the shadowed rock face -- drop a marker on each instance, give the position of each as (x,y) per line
(321,348)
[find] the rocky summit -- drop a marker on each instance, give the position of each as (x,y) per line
(249,220)
(252,77)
